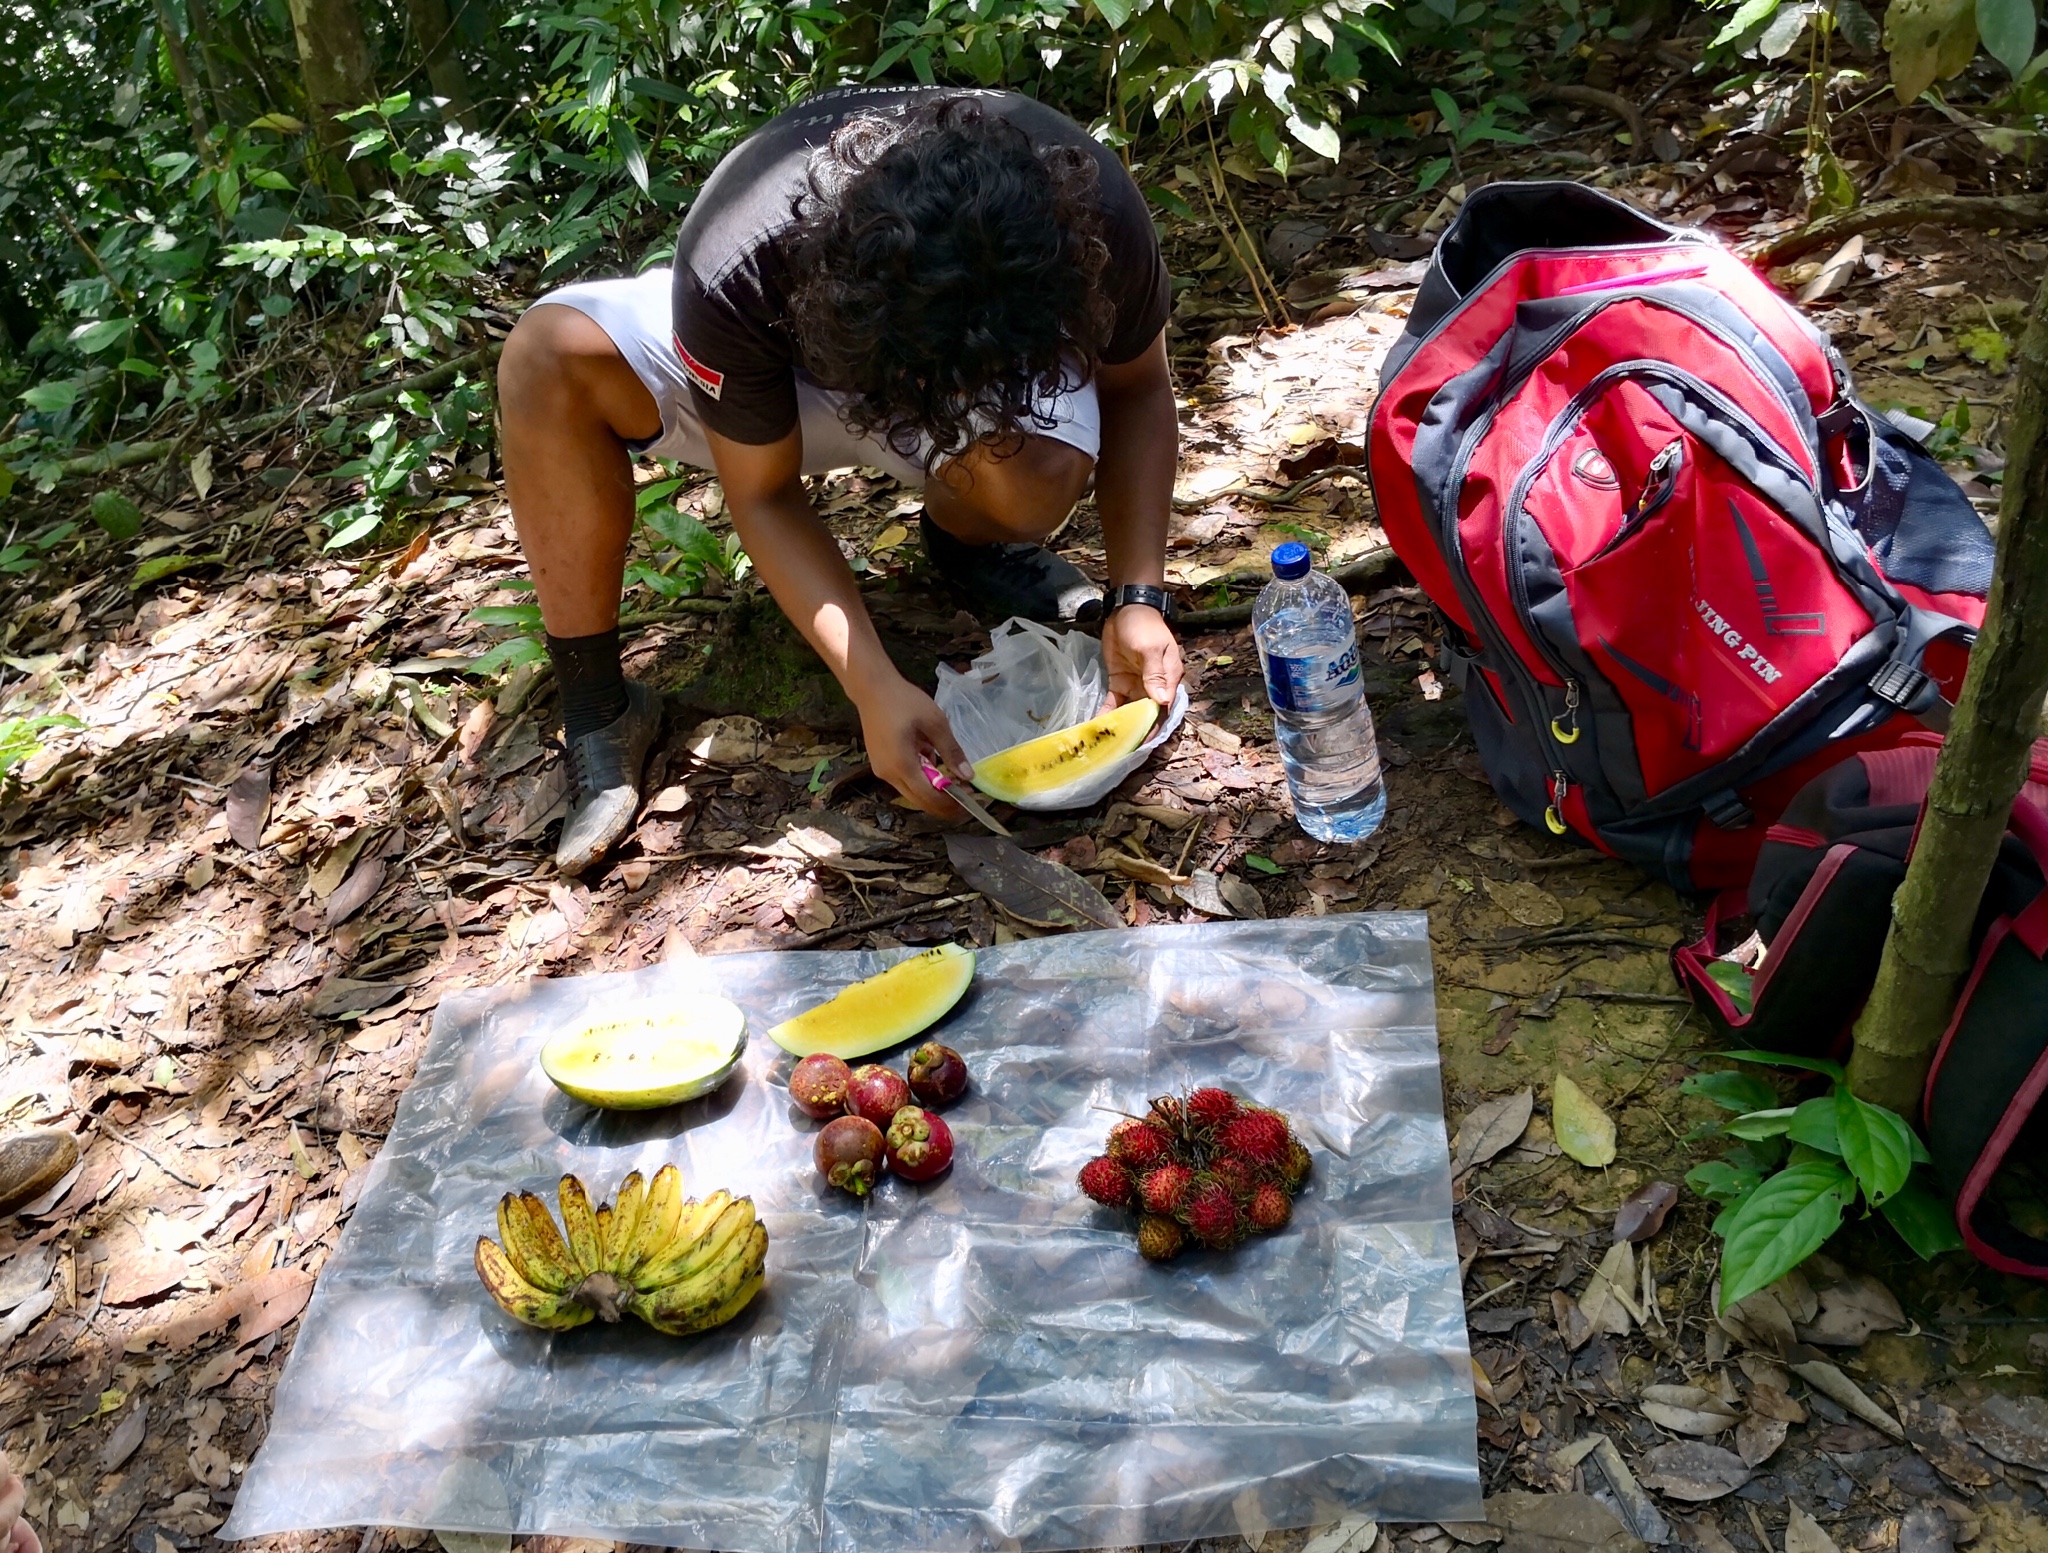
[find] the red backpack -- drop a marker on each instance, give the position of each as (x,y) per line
(1682,568)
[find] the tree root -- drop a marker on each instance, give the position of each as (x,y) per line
(1608,102)
(1978,211)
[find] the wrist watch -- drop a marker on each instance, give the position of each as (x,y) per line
(1114,599)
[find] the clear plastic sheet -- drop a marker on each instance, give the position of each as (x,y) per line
(981,1362)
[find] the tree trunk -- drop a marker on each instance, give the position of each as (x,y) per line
(434,29)
(334,59)
(188,83)
(205,43)
(1982,765)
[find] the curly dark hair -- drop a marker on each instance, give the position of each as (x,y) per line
(948,276)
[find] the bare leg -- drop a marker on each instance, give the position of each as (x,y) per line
(983,499)
(569,402)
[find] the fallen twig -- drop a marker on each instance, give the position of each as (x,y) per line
(886,919)
(1352,576)
(1978,211)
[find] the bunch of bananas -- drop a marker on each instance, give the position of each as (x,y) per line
(678,1264)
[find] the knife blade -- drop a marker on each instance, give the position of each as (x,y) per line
(958,793)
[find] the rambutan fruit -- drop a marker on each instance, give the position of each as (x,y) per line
(1294,1173)
(1240,1177)
(1211,1108)
(1166,1189)
(1269,1209)
(1212,1216)
(1108,1183)
(1159,1239)
(1259,1137)
(1139,1146)
(1169,1115)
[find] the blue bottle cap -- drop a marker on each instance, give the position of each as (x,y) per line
(1290,560)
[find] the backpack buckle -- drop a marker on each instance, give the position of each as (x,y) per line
(1898,684)
(1727,810)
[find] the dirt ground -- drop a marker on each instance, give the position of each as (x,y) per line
(232,901)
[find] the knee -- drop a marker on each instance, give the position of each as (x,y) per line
(560,368)
(1030,493)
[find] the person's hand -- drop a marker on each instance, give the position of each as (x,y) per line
(903,727)
(16,1535)
(1142,655)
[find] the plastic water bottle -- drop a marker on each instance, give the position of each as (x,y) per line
(1309,652)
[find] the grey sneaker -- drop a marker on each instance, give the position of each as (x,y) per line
(604,776)
(1005,580)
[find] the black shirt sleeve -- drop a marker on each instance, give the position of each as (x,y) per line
(1136,278)
(741,371)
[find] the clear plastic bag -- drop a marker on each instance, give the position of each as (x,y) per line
(1033,681)
(979,1363)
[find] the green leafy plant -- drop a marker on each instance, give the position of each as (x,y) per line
(1795,1171)
(21,738)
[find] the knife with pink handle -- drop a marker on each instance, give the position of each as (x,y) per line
(958,792)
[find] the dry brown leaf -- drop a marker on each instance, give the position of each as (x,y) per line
(1688,1410)
(1644,1213)
(1609,1299)
(138,1273)
(1529,904)
(281,1294)
(222,1367)
(357,890)
(248,806)
(1757,1438)
(1241,897)
(1850,1311)
(1694,1471)
(1490,1127)
(1831,1383)
(326,877)
(1804,1534)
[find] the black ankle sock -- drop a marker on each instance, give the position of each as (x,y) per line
(593,685)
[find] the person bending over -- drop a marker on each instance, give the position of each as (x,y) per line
(962,289)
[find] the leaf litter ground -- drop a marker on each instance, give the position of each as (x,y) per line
(289,826)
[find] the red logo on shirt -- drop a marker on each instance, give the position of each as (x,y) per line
(713,383)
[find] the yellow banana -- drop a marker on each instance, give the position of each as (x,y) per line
(532,1243)
(690,1305)
(603,1215)
(585,1247)
(621,1239)
(710,1319)
(687,1257)
(659,1219)
(660,1264)
(520,1299)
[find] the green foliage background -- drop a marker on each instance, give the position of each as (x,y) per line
(164,250)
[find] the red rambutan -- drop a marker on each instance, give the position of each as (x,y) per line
(1169,1115)
(1294,1173)
(1166,1189)
(1242,1178)
(1139,1146)
(1269,1209)
(1211,1108)
(1259,1137)
(1108,1183)
(1212,1216)
(1159,1240)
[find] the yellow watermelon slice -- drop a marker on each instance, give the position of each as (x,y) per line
(659,1058)
(883,1010)
(1053,760)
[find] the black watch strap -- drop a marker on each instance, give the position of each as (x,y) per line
(1114,599)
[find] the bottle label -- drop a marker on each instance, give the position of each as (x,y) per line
(1324,682)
